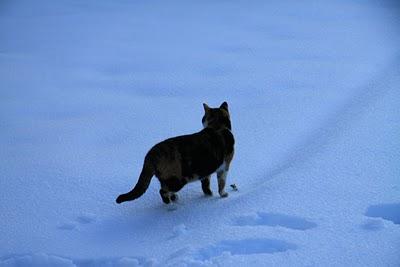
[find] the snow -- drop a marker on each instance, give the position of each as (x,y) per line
(86,88)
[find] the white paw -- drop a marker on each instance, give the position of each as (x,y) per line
(223,194)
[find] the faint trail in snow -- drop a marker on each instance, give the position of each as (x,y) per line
(274,219)
(373,225)
(244,247)
(86,218)
(339,120)
(43,259)
(390,212)
(67,226)
(179,230)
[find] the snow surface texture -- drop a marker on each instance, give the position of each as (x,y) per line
(87,87)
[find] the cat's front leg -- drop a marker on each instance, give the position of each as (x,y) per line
(221,175)
(205,185)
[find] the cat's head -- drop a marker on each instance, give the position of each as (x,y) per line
(216,118)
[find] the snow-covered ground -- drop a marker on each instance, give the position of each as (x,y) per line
(87,87)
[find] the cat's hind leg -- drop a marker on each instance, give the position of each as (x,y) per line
(165,196)
(174,184)
(169,188)
(174,197)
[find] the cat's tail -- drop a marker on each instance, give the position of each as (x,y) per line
(142,184)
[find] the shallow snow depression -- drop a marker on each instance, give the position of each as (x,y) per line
(88,87)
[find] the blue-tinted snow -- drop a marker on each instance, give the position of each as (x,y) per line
(87,87)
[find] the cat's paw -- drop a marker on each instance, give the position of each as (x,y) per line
(223,194)
(174,197)
(208,193)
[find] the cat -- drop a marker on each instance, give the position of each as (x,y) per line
(187,158)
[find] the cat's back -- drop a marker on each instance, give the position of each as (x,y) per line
(169,147)
(206,139)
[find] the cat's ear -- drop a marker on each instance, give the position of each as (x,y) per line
(206,107)
(224,106)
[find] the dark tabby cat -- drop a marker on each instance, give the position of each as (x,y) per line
(179,160)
